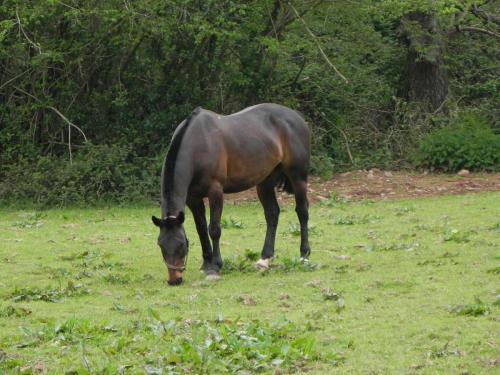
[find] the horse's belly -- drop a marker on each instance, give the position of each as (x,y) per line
(246,177)
(237,187)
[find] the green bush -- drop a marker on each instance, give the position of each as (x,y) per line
(322,165)
(97,174)
(470,143)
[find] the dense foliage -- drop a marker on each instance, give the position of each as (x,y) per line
(371,80)
(470,144)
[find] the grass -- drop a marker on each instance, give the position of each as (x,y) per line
(393,287)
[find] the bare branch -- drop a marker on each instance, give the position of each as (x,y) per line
(14,78)
(343,134)
(69,145)
(318,44)
(36,45)
(478,30)
(488,17)
(53,109)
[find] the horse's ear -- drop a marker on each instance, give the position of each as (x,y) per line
(156,221)
(181,217)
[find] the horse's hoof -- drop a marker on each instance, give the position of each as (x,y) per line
(212,277)
(262,264)
(304,260)
(205,267)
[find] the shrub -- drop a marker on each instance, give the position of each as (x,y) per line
(469,144)
(98,174)
(322,165)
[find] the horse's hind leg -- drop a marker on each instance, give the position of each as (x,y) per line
(197,207)
(267,196)
(299,184)
(216,200)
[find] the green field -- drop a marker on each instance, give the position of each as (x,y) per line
(393,287)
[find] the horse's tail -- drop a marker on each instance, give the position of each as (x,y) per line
(283,184)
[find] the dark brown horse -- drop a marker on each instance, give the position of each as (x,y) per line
(267,146)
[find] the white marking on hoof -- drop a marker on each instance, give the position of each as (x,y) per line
(262,264)
(304,260)
(212,277)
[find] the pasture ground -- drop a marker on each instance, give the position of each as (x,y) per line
(401,286)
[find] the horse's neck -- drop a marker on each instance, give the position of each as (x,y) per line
(175,201)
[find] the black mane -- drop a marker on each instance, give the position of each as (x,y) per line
(171,158)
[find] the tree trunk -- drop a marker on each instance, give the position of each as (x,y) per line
(425,80)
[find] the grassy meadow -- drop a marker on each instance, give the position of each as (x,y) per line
(393,287)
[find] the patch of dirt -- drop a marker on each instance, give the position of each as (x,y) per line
(380,185)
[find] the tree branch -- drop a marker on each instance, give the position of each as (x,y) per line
(70,124)
(318,44)
(488,17)
(36,45)
(14,78)
(478,30)
(348,149)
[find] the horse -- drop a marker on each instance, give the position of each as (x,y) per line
(266,145)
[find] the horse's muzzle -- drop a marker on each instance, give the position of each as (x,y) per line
(175,268)
(175,282)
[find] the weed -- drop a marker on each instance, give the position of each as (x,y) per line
(246,300)
(232,223)
(401,211)
(389,247)
(341,269)
(296,264)
(194,346)
(495,270)
(495,227)
(48,294)
(293,229)
(239,263)
(70,331)
(202,346)
(404,286)
(477,308)
(432,262)
(437,352)
(57,272)
(344,220)
(353,219)
(454,235)
(81,255)
(115,278)
(251,255)
(17,311)
(30,220)
(334,200)
(330,295)
(92,259)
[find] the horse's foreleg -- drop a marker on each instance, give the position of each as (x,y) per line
(302,209)
(216,200)
(197,207)
(267,197)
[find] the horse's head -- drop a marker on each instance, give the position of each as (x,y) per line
(174,246)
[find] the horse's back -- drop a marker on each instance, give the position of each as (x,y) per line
(268,119)
(244,148)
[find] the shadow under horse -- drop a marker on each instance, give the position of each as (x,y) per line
(266,145)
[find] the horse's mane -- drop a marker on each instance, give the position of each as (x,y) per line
(171,158)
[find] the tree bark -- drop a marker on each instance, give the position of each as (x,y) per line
(424,80)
